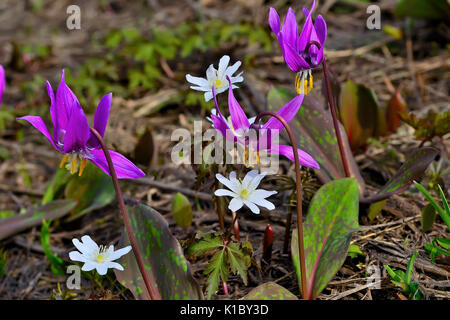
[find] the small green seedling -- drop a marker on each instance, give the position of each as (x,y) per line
(403,280)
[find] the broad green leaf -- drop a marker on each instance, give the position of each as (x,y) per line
(360,114)
(270,291)
(313,127)
(93,190)
(428,217)
(423,9)
(166,266)
(413,168)
(331,220)
(33,217)
(182,210)
(57,264)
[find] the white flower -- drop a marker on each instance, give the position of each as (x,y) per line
(245,192)
(95,257)
(216,78)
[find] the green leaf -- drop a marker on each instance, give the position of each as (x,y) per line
(182,210)
(239,261)
(166,266)
(93,190)
(57,264)
(270,291)
(331,220)
(59,180)
(217,270)
(375,209)
(33,217)
(444,216)
(423,9)
(413,168)
(359,112)
(354,251)
(313,127)
(205,246)
(409,268)
(428,217)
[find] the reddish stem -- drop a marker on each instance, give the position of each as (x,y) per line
(235,226)
(335,120)
(267,244)
(126,218)
(301,247)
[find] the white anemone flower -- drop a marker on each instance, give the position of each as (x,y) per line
(96,257)
(216,78)
(245,192)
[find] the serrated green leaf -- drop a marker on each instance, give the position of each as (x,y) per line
(205,246)
(238,260)
(217,270)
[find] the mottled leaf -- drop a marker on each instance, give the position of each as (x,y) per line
(166,266)
(182,210)
(270,291)
(313,127)
(331,220)
(413,168)
(33,217)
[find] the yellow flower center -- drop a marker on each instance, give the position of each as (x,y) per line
(100,258)
(75,163)
(244,194)
(218,83)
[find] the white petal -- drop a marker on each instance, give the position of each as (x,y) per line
(211,74)
(208,96)
(256,181)
(223,64)
(114,265)
(82,247)
(232,69)
(225,192)
(236,79)
(117,254)
(87,241)
(252,206)
(262,202)
(201,82)
(101,269)
(208,88)
(231,184)
(249,177)
(88,266)
(252,120)
(76,256)
(235,204)
(261,194)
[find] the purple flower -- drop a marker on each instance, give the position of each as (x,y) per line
(2,82)
(299,56)
(73,138)
(239,127)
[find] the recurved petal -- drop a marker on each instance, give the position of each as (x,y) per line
(77,131)
(274,21)
(238,117)
(101,119)
(293,59)
(39,124)
(124,168)
(290,28)
(287,112)
(304,158)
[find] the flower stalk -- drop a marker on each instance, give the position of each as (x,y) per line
(153,294)
(235,226)
(301,246)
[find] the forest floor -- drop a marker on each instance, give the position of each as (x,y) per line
(369,57)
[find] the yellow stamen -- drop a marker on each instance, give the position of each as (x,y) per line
(83,163)
(218,83)
(302,80)
(99,258)
(244,194)
(63,160)
(74,165)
